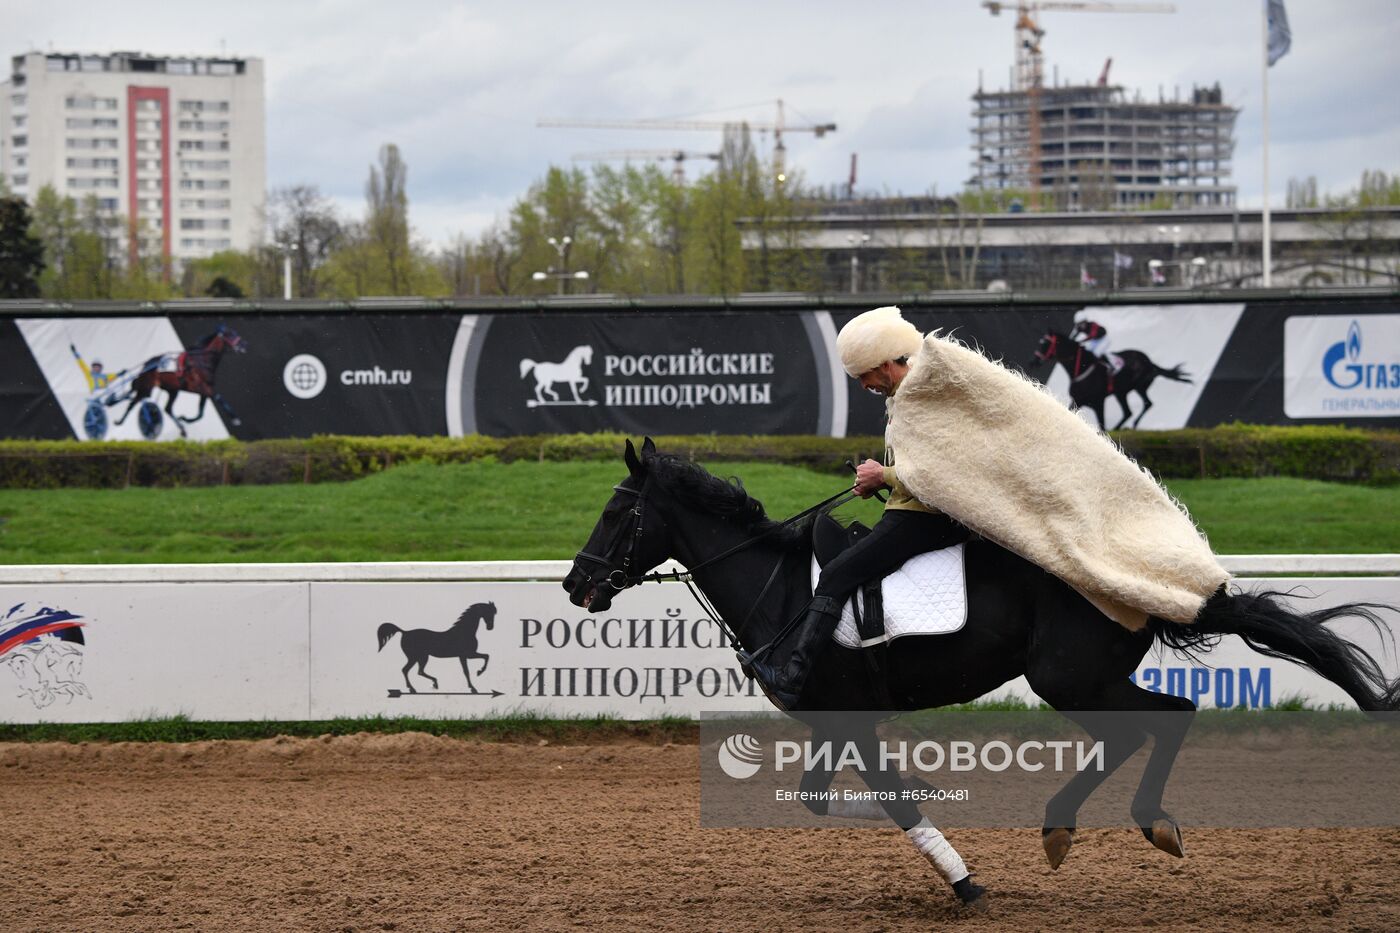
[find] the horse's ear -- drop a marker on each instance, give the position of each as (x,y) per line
(629,456)
(648,447)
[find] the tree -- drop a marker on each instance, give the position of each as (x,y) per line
(300,216)
(21,253)
(386,223)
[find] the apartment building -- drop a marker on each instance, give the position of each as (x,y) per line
(174,146)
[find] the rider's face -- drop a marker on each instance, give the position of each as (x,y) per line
(879,380)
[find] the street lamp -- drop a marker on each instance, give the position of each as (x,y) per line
(852,239)
(287,271)
(561,246)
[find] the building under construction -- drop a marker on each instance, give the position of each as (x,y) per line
(1088,147)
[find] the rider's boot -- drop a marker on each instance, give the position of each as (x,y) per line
(784,687)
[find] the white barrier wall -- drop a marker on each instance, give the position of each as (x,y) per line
(300,641)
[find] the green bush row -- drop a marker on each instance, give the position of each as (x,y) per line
(1329,453)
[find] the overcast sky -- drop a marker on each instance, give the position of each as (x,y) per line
(459,86)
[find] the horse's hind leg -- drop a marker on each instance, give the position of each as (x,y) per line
(1127,412)
(423,671)
(409,683)
(1146,404)
(1167,718)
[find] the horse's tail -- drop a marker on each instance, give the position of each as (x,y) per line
(1176,373)
(1271,628)
(525,367)
(387,631)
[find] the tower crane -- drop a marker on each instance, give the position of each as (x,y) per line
(1030,67)
(777,128)
(677,157)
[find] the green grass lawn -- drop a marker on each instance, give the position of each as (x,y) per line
(525,511)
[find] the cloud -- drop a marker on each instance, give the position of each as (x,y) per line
(459,86)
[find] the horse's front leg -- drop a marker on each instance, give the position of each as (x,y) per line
(1123,404)
(466,671)
(170,410)
(889,786)
(579,385)
(222,404)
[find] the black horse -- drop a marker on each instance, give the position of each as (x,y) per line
(1021,620)
(459,642)
(1091,381)
(194,372)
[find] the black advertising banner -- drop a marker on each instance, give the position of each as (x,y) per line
(678,370)
(363,374)
(692,373)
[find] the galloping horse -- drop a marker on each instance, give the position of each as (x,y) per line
(1020,620)
(194,372)
(1090,381)
(569,371)
(459,642)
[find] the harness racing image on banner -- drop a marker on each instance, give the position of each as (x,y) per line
(135,378)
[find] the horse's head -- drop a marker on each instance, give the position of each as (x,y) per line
(1048,348)
(629,538)
(226,338)
(490,617)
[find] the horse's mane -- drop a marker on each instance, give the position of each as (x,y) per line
(693,485)
(476,611)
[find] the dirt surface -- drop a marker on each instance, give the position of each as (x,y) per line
(412,832)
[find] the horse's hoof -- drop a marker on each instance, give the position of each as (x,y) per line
(1056,842)
(970,893)
(1166,835)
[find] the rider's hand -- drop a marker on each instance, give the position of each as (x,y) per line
(870,477)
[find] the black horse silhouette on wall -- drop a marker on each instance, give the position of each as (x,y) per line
(459,642)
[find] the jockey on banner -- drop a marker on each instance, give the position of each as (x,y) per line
(875,348)
(1093,337)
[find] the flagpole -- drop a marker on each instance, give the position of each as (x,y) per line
(1268,244)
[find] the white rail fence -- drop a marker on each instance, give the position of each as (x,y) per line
(302,641)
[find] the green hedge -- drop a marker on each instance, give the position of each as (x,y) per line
(1329,453)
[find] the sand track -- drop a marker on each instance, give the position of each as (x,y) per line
(412,832)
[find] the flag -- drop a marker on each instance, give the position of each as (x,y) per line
(1280,36)
(1085,279)
(1122,260)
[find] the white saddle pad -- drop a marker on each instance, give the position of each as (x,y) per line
(927,596)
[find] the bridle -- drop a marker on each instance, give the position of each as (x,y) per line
(1076,372)
(620,579)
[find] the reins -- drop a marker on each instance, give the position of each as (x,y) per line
(620,579)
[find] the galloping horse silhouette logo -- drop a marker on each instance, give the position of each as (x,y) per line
(459,642)
(547,375)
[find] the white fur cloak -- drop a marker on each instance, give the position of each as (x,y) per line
(999,453)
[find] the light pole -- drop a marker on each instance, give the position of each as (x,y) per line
(579,276)
(561,246)
(854,240)
(287,271)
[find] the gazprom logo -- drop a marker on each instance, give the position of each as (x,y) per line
(1356,373)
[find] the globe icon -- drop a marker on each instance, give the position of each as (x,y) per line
(305,376)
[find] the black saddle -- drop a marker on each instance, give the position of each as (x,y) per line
(830,538)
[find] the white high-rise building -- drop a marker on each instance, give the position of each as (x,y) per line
(176,146)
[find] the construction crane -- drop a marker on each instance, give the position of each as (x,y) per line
(1030,67)
(677,157)
(777,128)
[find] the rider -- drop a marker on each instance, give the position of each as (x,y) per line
(96,376)
(875,348)
(1093,336)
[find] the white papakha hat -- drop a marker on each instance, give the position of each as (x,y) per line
(871,338)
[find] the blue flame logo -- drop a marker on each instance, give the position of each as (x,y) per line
(1342,349)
